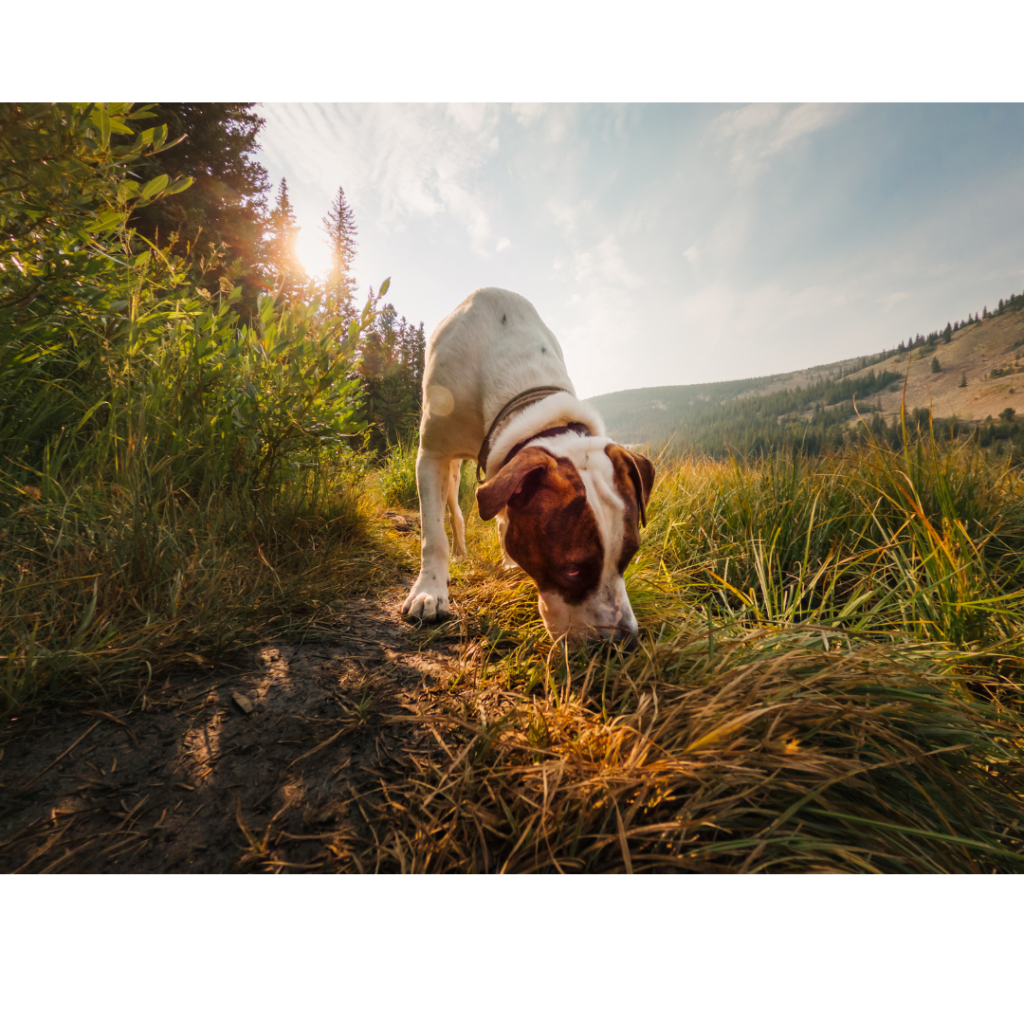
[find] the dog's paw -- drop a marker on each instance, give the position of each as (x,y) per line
(427,603)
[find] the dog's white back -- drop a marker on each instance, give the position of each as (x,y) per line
(493,346)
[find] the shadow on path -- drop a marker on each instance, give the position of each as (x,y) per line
(278,767)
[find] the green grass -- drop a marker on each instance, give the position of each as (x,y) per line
(113,586)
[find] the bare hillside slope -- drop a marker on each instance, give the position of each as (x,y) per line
(974,352)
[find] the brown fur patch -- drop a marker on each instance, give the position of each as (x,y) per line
(634,478)
(552,531)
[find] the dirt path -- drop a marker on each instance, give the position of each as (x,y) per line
(280,767)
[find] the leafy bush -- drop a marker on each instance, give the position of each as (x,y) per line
(149,441)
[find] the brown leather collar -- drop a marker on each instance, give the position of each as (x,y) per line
(579,428)
(521,401)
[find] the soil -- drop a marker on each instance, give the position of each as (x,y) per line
(281,764)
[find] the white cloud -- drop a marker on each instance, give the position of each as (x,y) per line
(470,116)
(751,118)
(527,113)
(758,131)
(567,215)
(803,120)
(603,266)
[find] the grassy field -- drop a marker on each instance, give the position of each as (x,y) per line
(828,680)
(829,672)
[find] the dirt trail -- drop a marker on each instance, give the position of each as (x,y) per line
(278,767)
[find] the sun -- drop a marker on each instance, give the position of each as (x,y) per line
(314,254)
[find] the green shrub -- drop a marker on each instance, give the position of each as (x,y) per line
(151,446)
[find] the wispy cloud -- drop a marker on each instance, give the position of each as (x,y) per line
(755,133)
(404,162)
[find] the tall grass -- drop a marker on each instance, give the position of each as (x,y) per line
(829,679)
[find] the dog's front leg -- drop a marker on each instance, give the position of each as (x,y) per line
(428,599)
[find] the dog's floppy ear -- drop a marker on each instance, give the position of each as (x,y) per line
(641,474)
(519,479)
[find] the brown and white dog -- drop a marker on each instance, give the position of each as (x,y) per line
(568,500)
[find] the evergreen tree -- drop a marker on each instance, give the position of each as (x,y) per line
(282,256)
(340,226)
(391,368)
(936,366)
(220,219)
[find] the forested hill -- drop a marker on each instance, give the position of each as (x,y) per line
(965,376)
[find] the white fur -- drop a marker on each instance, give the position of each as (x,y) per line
(475,363)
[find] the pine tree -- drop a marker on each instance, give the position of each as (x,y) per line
(936,366)
(283,259)
(224,212)
(340,226)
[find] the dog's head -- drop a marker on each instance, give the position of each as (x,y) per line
(573,509)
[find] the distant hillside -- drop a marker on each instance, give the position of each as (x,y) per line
(963,374)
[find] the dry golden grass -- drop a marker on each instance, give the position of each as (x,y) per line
(758,727)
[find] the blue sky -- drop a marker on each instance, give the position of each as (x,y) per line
(673,243)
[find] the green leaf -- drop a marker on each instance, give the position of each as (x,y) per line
(101,119)
(353,329)
(85,419)
(151,188)
(178,186)
(384,287)
(167,145)
(105,221)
